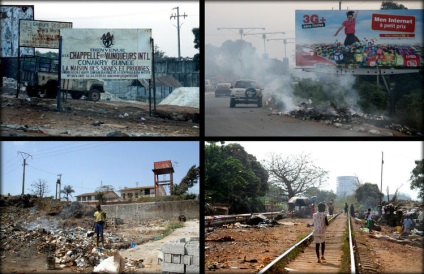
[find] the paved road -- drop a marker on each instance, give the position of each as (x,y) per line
(248,120)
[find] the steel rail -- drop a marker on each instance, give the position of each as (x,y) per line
(352,256)
(271,264)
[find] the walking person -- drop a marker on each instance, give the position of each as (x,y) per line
(352,210)
(320,227)
(100,219)
(346,208)
(368,217)
(331,209)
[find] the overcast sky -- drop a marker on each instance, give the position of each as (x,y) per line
(357,158)
(127,14)
(274,16)
(87,165)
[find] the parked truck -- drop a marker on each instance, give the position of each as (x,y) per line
(40,77)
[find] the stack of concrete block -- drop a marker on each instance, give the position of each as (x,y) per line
(181,256)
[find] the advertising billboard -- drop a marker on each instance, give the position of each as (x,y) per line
(359,39)
(41,34)
(106,54)
(9,25)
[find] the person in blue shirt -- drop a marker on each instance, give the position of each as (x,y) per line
(407,224)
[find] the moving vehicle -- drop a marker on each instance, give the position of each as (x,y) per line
(40,76)
(246,92)
(223,89)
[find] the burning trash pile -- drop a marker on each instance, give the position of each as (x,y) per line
(344,117)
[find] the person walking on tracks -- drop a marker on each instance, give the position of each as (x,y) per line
(368,217)
(99,223)
(352,210)
(331,209)
(346,208)
(320,227)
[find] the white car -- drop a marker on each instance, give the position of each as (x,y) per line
(246,92)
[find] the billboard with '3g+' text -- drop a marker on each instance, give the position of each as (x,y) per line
(359,38)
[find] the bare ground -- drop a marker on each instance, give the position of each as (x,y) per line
(38,117)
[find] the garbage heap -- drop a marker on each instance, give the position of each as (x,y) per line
(180,256)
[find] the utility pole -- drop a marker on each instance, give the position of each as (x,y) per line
(25,156)
(178,26)
(58,182)
(264,36)
(241,30)
(285,44)
(381,184)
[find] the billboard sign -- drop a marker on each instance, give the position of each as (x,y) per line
(41,34)
(106,54)
(359,39)
(9,25)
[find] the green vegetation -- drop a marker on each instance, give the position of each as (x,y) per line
(417,178)
(345,249)
(171,227)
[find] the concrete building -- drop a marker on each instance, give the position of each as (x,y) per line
(137,192)
(90,197)
(346,185)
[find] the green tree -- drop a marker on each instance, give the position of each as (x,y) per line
(196,57)
(417,178)
(187,182)
(67,190)
(234,177)
(322,195)
(390,5)
(368,195)
(294,174)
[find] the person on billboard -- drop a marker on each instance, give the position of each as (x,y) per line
(349,26)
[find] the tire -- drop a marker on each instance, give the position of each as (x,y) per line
(259,102)
(32,91)
(94,95)
(50,89)
(232,102)
(76,95)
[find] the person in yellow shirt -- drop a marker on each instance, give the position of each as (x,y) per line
(100,220)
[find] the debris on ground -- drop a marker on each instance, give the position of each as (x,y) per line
(184,97)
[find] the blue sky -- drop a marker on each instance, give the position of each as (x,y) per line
(87,165)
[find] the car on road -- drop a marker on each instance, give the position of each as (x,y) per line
(246,92)
(223,89)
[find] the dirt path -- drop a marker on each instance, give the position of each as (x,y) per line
(149,251)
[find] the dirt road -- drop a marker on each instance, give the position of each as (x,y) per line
(35,117)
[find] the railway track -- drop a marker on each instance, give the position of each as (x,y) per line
(301,257)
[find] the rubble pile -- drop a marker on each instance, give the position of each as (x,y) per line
(343,117)
(9,82)
(66,236)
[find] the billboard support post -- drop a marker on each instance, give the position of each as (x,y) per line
(58,76)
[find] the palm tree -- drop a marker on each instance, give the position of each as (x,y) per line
(67,190)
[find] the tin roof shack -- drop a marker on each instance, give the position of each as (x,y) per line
(137,192)
(110,196)
(303,204)
(163,168)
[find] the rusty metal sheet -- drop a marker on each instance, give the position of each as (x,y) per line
(163,164)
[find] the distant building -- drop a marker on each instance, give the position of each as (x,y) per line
(90,197)
(346,185)
(137,192)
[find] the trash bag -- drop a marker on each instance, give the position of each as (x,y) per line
(113,264)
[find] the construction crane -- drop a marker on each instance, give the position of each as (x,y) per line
(264,36)
(285,44)
(241,30)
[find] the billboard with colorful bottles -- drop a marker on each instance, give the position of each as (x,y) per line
(359,39)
